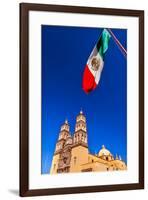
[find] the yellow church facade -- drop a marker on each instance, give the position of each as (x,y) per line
(72,152)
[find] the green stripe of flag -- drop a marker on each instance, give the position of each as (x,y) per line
(103,42)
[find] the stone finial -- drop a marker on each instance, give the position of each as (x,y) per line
(120,157)
(117,157)
(81,112)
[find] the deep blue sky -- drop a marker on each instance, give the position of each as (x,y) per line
(65,51)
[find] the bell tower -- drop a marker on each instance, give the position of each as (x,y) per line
(80,135)
(79,153)
(63,135)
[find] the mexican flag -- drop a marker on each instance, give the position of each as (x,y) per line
(95,63)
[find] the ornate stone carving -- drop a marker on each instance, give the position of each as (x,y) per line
(65,158)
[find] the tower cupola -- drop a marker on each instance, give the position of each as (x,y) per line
(64,131)
(80,122)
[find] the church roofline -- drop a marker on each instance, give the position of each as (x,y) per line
(96,161)
(93,155)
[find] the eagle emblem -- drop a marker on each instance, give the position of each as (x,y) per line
(95,63)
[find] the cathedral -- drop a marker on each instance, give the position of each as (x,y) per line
(72,153)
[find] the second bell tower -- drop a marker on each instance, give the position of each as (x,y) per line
(80,135)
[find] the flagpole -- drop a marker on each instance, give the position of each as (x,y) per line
(118,43)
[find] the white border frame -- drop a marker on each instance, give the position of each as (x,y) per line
(38,181)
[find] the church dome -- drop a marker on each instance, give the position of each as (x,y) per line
(104,152)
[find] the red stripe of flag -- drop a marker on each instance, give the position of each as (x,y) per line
(88,82)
